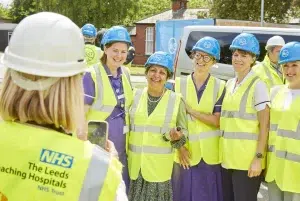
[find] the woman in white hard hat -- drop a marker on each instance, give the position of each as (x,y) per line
(108,92)
(284,146)
(41,106)
(269,69)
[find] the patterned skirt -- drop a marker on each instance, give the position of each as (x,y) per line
(142,190)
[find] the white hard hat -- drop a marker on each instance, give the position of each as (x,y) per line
(46,44)
(275,41)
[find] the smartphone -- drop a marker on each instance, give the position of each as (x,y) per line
(98,132)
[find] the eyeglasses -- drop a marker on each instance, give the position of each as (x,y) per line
(205,58)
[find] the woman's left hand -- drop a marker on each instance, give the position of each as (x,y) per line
(110,147)
(255,168)
(184,157)
(175,135)
(189,109)
(82,133)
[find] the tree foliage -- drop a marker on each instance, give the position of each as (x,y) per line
(105,13)
(22,8)
(274,10)
(199,3)
(295,10)
(102,13)
(4,12)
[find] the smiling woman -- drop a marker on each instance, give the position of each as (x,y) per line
(244,124)
(203,95)
(284,153)
(158,125)
(108,92)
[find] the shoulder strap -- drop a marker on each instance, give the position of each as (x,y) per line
(274,91)
(127,74)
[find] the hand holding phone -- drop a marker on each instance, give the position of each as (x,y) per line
(98,132)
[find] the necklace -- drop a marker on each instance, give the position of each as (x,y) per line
(155,101)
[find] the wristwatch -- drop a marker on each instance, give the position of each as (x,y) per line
(166,137)
(259,155)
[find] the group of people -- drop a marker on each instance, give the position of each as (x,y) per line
(94,46)
(205,140)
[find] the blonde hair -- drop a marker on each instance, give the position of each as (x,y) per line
(61,105)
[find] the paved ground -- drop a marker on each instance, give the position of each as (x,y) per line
(263,193)
(138,81)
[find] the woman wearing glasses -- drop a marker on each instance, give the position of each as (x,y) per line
(197,171)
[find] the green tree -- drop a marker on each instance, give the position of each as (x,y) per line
(152,7)
(102,13)
(274,10)
(4,12)
(295,10)
(22,8)
(198,3)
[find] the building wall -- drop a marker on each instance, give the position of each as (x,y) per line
(139,43)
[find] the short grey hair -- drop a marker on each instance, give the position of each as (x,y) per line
(270,48)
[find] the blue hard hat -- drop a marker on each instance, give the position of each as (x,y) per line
(208,45)
(116,34)
(246,42)
(162,59)
(289,52)
(89,30)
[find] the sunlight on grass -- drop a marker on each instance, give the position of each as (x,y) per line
(137,70)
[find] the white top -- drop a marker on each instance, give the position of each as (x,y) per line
(290,95)
(261,96)
(121,193)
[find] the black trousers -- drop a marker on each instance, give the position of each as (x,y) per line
(237,186)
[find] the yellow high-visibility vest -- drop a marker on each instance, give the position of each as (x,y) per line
(267,73)
(275,114)
(147,151)
(239,125)
(203,139)
(43,164)
(92,55)
(105,100)
(284,164)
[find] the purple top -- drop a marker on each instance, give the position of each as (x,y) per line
(116,83)
(218,105)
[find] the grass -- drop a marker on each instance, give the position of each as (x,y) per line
(137,70)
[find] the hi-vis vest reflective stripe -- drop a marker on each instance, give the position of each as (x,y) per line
(203,138)
(267,73)
(105,100)
(91,54)
(284,164)
(275,114)
(47,165)
(147,151)
(239,125)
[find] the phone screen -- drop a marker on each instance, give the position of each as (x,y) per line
(97,132)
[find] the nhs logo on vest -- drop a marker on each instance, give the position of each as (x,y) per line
(56,158)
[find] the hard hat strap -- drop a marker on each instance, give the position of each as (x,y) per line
(30,85)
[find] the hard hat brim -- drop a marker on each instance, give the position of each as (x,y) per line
(42,68)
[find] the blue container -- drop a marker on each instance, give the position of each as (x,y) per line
(169,32)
